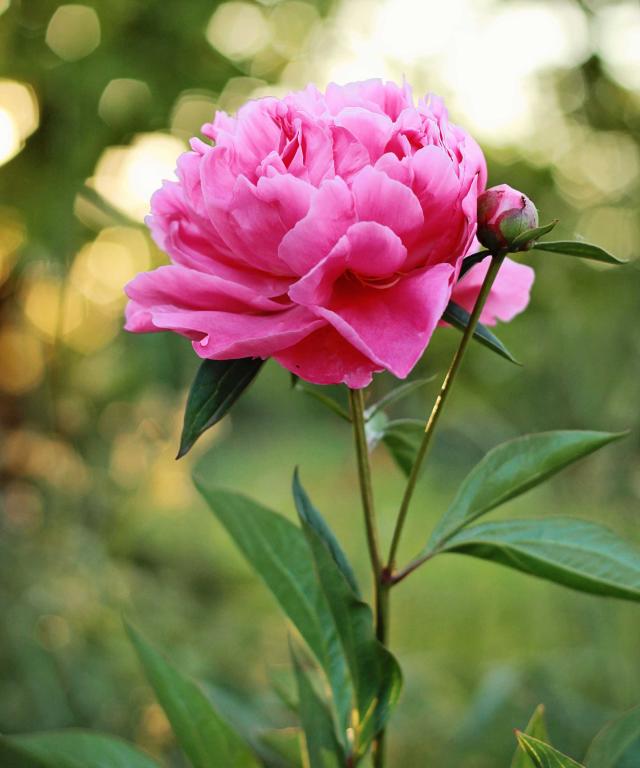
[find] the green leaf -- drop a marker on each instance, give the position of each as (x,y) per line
(544,756)
(458,317)
(532,234)
(375,673)
(576,553)
(205,738)
(398,393)
(403,437)
(374,429)
(514,467)
(278,551)
(70,749)
(579,249)
(613,740)
(317,724)
(537,728)
(317,522)
(216,387)
(471,261)
(318,395)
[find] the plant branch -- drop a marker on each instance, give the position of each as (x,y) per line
(496,261)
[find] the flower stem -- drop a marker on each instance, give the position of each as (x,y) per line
(496,261)
(380,589)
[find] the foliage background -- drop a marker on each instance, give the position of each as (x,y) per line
(97,519)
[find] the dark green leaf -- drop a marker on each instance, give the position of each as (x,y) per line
(458,317)
(311,515)
(398,393)
(320,738)
(613,740)
(537,728)
(514,467)
(205,738)
(471,261)
(279,553)
(544,756)
(70,749)
(578,554)
(532,234)
(216,387)
(375,673)
(403,437)
(581,250)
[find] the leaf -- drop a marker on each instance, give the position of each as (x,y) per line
(403,437)
(216,387)
(318,395)
(537,728)
(579,249)
(576,553)
(471,261)
(532,234)
(278,551)
(458,317)
(70,749)
(613,740)
(205,738)
(542,755)
(315,519)
(375,673)
(514,467)
(398,393)
(374,429)
(320,738)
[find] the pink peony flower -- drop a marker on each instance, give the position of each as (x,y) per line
(324,230)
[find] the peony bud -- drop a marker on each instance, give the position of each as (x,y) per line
(503,214)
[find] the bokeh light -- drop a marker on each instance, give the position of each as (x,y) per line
(19,117)
(73,32)
(238,30)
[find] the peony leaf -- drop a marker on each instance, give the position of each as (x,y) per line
(611,743)
(321,397)
(514,467)
(70,749)
(458,317)
(278,551)
(376,676)
(206,739)
(532,234)
(537,728)
(216,387)
(403,437)
(397,393)
(575,553)
(579,249)
(323,748)
(542,755)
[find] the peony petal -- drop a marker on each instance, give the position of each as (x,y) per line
(330,214)
(379,198)
(325,357)
(370,129)
(508,297)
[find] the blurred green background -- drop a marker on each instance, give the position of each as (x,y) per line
(97,519)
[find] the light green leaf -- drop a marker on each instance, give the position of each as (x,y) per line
(537,728)
(403,437)
(578,554)
(396,394)
(317,724)
(278,551)
(579,249)
(70,749)
(544,756)
(458,317)
(376,676)
(514,467)
(216,387)
(532,234)
(321,397)
(374,429)
(613,740)
(205,738)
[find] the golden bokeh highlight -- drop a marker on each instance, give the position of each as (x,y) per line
(238,30)
(23,361)
(19,117)
(73,32)
(13,234)
(122,98)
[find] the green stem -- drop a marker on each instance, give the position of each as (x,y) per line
(496,261)
(380,590)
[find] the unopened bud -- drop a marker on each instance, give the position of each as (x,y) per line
(503,215)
